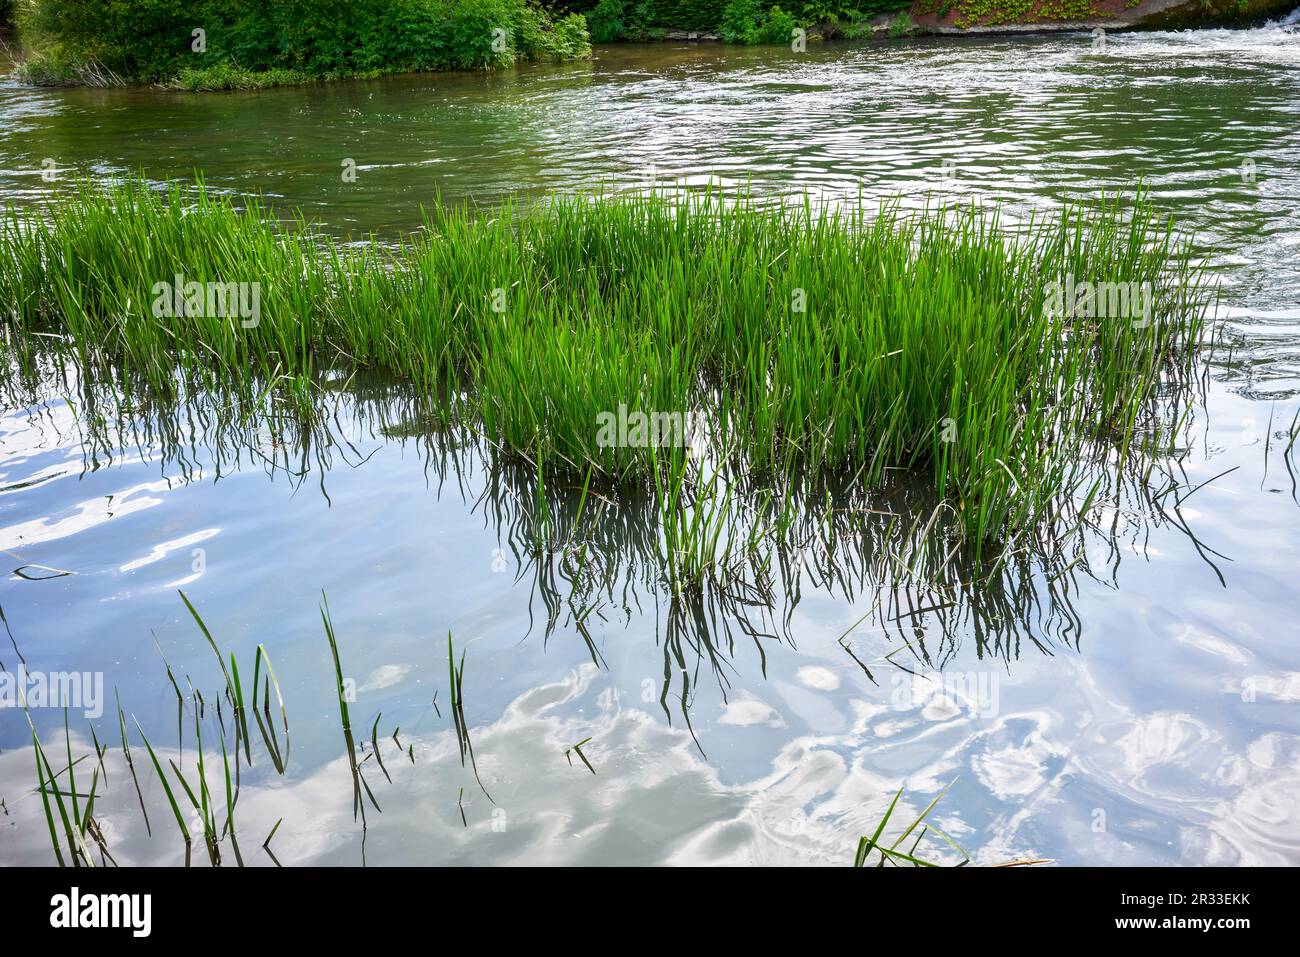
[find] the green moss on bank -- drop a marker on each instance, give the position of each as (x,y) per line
(1218,13)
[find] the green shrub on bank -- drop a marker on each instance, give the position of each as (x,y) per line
(778,27)
(539,36)
(902,25)
(164,40)
(745,21)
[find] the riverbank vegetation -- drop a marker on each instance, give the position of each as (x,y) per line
(220,44)
(806,338)
(237,44)
(234,44)
(765,22)
(733,21)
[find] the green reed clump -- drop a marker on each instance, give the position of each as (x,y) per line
(821,336)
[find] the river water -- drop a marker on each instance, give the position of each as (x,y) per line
(1137,708)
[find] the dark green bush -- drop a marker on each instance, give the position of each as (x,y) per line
(820,11)
(613,20)
(154,40)
(606,21)
(688,14)
(145,39)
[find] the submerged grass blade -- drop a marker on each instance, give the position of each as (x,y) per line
(279,758)
(359,785)
(41,786)
(457,675)
(167,790)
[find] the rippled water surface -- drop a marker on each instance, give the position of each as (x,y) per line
(1138,706)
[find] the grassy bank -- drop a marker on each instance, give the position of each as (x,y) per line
(803,338)
(224,44)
